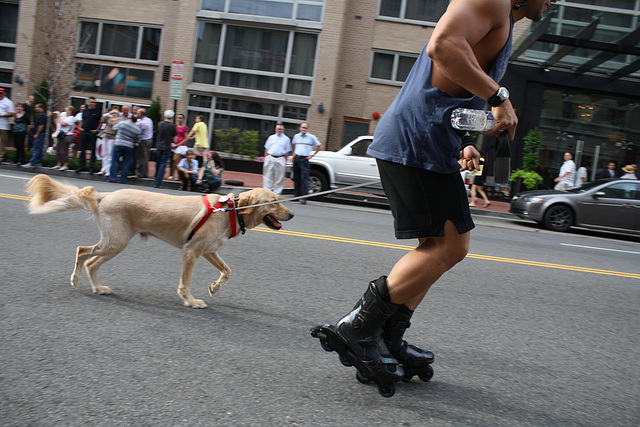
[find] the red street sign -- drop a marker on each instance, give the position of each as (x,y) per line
(177,70)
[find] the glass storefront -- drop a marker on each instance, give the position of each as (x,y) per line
(244,114)
(599,128)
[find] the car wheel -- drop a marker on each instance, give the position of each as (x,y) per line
(317,181)
(558,218)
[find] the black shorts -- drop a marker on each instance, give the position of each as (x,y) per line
(422,201)
(477,180)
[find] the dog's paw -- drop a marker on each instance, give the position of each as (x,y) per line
(102,290)
(196,303)
(214,287)
(75,281)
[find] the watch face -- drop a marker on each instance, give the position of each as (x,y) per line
(503,93)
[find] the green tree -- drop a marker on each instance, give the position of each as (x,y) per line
(154,112)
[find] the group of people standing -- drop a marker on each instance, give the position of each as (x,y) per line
(277,150)
(570,176)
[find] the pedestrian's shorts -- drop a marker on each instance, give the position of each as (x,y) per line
(422,201)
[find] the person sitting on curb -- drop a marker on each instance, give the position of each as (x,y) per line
(188,172)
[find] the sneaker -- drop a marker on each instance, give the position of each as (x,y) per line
(64,168)
(100,173)
(28,166)
(56,167)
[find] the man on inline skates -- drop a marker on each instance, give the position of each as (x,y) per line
(419,157)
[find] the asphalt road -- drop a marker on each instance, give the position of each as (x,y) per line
(533,328)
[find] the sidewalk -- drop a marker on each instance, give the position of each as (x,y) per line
(248,180)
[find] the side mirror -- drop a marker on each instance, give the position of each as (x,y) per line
(599,194)
(348,151)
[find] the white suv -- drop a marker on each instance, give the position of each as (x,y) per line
(350,165)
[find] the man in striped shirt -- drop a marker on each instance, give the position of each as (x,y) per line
(127,137)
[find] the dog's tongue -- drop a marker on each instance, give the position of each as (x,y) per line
(274,222)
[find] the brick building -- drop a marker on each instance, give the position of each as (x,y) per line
(335,63)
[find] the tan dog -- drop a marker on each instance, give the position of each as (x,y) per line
(123,213)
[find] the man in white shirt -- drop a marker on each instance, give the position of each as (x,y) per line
(143,149)
(566,177)
(276,152)
(6,111)
(303,145)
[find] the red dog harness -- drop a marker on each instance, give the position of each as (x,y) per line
(218,207)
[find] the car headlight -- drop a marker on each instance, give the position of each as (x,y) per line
(537,199)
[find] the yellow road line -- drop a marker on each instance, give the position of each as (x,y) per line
(474,256)
(408,248)
(14,196)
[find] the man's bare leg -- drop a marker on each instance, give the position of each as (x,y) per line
(412,276)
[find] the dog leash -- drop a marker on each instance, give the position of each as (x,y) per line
(293,199)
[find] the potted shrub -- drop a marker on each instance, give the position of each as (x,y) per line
(528,176)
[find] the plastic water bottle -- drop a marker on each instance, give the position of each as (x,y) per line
(468,119)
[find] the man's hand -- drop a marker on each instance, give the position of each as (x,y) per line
(506,120)
(469,159)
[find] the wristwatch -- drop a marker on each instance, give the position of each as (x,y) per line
(499,97)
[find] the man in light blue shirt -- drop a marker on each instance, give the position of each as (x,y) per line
(303,145)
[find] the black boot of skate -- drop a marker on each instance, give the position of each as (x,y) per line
(357,338)
(414,360)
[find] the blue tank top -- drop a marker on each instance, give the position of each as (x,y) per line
(416,130)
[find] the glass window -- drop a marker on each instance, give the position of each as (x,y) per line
(7,54)
(390,8)
(299,87)
(252,107)
(139,83)
(119,40)
(309,12)
(204,75)
(208,43)
(88,37)
(8,22)
(276,9)
(405,63)
(425,10)
(418,10)
(257,54)
(304,54)
(255,49)
(297,113)
(251,81)
(215,5)
(382,66)
(200,101)
(5,77)
(620,190)
(150,43)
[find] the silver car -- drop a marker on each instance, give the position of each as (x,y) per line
(610,205)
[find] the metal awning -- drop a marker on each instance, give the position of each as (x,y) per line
(582,39)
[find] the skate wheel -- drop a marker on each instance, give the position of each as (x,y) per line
(325,345)
(387,390)
(427,374)
(361,378)
(345,362)
(407,377)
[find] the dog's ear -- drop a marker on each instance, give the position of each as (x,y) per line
(246,199)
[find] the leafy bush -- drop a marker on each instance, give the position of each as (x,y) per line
(529,179)
(530,158)
(235,141)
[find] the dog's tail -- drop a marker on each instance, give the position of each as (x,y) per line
(48,195)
